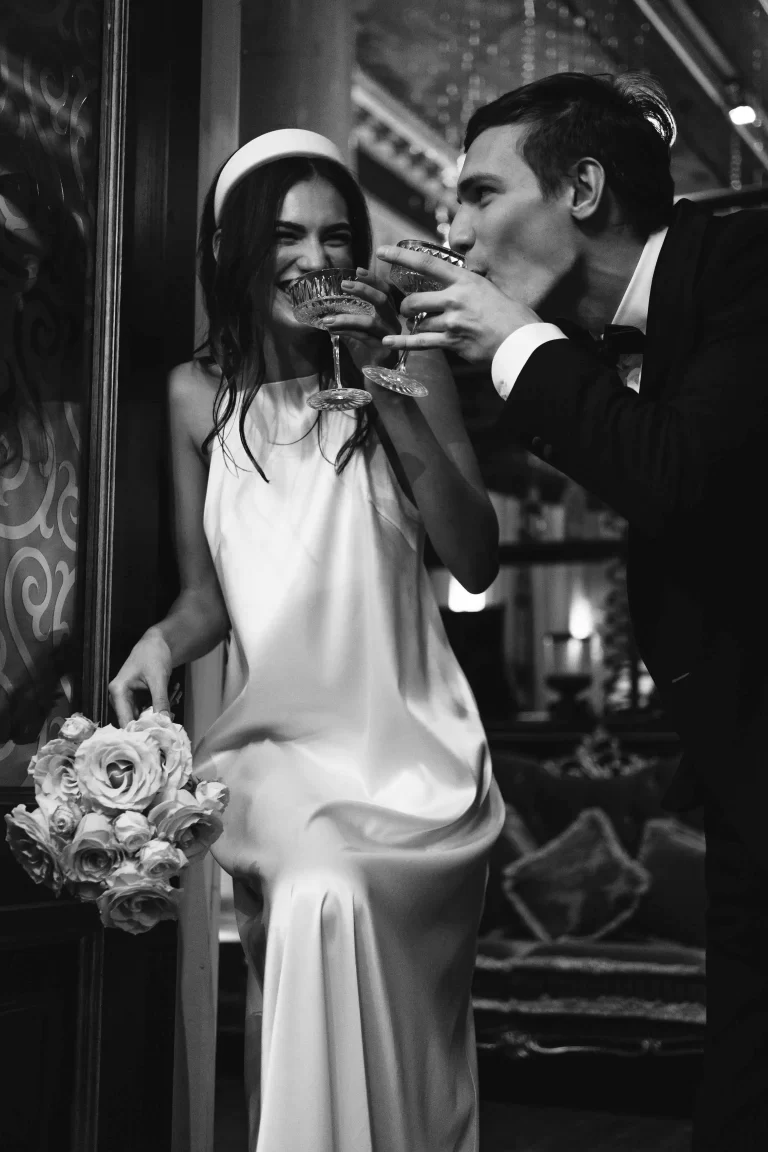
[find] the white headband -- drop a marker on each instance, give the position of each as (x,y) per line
(263,150)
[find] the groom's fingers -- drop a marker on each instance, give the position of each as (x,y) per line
(421,340)
(434,303)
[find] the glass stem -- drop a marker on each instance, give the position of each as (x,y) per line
(336,361)
(400,367)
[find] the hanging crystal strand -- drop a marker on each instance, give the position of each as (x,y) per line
(550,36)
(590,59)
(736,162)
(564,39)
(528,67)
(638,49)
(474,96)
(757,74)
(581,40)
(611,40)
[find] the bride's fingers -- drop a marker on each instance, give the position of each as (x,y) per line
(364,275)
(352,320)
(122,701)
(367,292)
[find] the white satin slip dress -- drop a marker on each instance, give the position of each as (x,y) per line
(362,805)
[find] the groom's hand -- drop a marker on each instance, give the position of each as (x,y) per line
(469,315)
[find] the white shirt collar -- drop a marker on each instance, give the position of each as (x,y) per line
(633,309)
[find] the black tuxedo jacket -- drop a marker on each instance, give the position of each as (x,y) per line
(686,462)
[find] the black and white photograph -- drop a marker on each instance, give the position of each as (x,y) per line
(384,575)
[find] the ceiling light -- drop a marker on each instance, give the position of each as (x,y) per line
(743,114)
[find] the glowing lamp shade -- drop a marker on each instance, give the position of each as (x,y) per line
(580,619)
(742,114)
(459,600)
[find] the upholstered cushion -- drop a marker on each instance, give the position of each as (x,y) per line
(515,841)
(675,904)
(581,884)
(548,803)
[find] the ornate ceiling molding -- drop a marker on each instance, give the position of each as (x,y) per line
(389,132)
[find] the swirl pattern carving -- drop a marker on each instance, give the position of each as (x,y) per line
(50,66)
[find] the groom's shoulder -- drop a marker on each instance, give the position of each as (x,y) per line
(739,236)
(733,264)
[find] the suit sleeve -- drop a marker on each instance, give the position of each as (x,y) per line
(658,461)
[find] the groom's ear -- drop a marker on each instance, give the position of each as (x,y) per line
(587,188)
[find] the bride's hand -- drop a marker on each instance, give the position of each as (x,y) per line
(147,670)
(369,330)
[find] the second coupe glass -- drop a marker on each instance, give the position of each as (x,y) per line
(398,379)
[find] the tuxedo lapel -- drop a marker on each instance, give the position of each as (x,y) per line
(670,329)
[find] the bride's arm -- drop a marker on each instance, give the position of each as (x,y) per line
(197,620)
(439,462)
(431,443)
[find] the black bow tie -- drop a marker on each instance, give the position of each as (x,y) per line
(621,340)
(617,340)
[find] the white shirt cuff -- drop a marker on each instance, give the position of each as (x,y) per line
(512,354)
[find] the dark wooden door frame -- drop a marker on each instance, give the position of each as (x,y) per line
(116,991)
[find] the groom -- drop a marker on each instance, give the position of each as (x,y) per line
(568,227)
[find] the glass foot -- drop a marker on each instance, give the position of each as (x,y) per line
(396,381)
(342,399)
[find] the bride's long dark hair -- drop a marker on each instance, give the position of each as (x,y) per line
(238,286)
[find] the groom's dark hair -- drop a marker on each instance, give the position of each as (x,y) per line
(623,121)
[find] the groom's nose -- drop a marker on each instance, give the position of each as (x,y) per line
(461,236)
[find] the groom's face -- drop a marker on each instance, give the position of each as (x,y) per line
(507,230)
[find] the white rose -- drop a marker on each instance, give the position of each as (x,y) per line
(159,860)
(64,820)
(172,741)
(54,775)
(90,856)
(135,904)
(118,770)
(213,795)
(126,874)
(132,830)
(77,728)
(186,824)
(30,842)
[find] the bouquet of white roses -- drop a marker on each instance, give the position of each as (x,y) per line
(119,817)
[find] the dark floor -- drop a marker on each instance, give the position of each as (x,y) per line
(553,1105)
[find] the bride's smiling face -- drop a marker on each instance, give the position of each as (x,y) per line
(312,231)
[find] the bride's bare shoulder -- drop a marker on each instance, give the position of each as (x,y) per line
(192,389)
(194,382)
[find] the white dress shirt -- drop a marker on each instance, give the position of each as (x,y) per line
(513,353)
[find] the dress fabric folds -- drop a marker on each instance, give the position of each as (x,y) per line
(362,805)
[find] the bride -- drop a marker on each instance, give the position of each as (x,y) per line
(362,806)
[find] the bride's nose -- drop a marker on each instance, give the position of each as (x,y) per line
(312,256)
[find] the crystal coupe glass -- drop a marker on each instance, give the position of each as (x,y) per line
(317,295)
(398,379)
